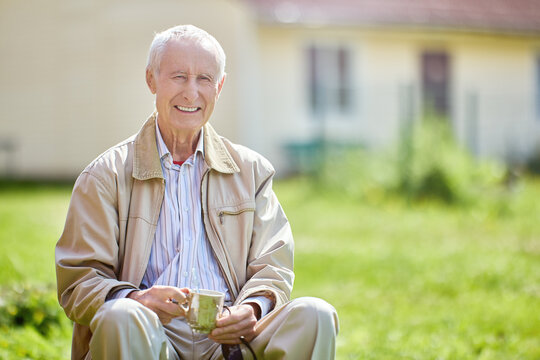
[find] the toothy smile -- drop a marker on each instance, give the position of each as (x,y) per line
(186,109)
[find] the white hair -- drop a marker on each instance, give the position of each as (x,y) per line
(188,32)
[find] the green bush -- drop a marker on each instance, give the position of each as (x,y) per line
(30,306)
(427,164)
(443,170)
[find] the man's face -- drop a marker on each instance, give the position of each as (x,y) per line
(186,86)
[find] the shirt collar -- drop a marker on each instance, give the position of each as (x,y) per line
(164,152)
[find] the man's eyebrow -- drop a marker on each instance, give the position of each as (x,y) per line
(207,75)
(182,72)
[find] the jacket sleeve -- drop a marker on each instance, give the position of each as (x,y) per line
(270,261)
(87,252)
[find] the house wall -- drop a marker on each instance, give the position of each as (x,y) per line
(72,76)
(492,87)
(72,82)
(498,76)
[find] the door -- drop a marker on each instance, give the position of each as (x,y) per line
(436,83)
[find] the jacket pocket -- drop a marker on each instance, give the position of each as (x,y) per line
(227,213)
(234,226)
(237,215)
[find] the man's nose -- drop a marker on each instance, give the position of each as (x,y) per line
(191,90)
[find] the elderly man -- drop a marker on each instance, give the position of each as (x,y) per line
(174,208)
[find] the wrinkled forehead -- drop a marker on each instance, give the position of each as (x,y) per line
(199,52)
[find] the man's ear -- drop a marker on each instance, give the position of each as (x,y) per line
(150,80)
(220,85)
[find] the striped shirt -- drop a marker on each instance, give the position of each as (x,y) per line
(181,254)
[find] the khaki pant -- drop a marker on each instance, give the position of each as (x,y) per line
(304,328)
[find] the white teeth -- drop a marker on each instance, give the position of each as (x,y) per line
(188,109)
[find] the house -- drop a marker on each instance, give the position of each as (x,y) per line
(360,70)
(72,74)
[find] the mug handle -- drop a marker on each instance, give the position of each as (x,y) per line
(185,305)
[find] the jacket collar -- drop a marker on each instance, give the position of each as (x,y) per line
(216,155)
(146,162)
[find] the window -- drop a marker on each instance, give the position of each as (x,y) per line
(329,77)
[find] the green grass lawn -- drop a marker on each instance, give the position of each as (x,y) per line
(31,220)
(422,282)
(409,282)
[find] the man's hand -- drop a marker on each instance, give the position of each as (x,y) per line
(159,300)
(240,322)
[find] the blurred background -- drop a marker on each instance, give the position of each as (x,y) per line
(72,74)
(405,135)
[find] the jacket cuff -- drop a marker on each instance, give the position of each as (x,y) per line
(119,294)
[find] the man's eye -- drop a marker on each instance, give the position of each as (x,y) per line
(205,78)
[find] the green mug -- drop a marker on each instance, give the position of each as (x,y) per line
(202,309)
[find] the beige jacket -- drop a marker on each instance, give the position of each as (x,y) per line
(114,210)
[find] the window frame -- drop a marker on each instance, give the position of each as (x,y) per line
(331,93)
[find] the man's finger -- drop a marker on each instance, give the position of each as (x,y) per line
(237,314)
(234,330)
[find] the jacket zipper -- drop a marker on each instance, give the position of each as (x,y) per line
(224,212)
(232,290)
